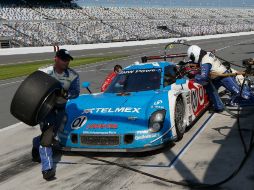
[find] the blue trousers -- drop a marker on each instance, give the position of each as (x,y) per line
(212,92)
(232,86)
(54,121)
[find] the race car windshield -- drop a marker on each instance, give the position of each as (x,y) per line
(136,80)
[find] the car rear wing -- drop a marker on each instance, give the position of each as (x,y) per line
(144,59)
(170,45)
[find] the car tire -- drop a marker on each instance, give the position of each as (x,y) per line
(179,118)
(35,98)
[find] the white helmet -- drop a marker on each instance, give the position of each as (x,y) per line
(194,53)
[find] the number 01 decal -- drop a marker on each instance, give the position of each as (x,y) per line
(79,122)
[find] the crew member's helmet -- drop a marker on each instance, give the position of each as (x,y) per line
(194,53)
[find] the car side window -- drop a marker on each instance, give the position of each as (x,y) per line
(169,75)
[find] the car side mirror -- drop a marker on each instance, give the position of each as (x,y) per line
(180,81)
(86,85)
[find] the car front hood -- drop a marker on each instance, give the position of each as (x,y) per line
(105,104)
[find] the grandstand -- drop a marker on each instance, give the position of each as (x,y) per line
(51,22)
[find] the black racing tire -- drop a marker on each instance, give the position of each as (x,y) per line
(179,118)
(35,98)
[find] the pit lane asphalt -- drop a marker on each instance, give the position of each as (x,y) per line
(212,156)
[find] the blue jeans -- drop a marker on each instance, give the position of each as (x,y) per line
(51,124)
(231,85)
(212,92)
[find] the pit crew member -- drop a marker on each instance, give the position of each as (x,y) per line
(210,64)
(69,79)
(110,77)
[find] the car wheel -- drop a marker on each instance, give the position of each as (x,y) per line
(179,118)
(35,98)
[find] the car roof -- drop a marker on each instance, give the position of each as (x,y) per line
(149,65)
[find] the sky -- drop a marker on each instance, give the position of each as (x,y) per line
(168,3)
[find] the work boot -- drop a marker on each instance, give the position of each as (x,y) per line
(215,110)
(218,110)
(48,174)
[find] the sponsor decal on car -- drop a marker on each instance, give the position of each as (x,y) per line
(132,118)
(197,97)
(102,126)
(143,132)
(158,102)
(112,110)
(146,136)
(79,122)
(139,71)
(99,132)
(158,107)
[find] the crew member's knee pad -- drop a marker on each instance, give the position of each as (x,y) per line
(47,137)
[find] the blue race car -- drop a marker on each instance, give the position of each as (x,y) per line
(146,106)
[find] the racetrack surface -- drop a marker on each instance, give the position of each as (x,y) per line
(208,157)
